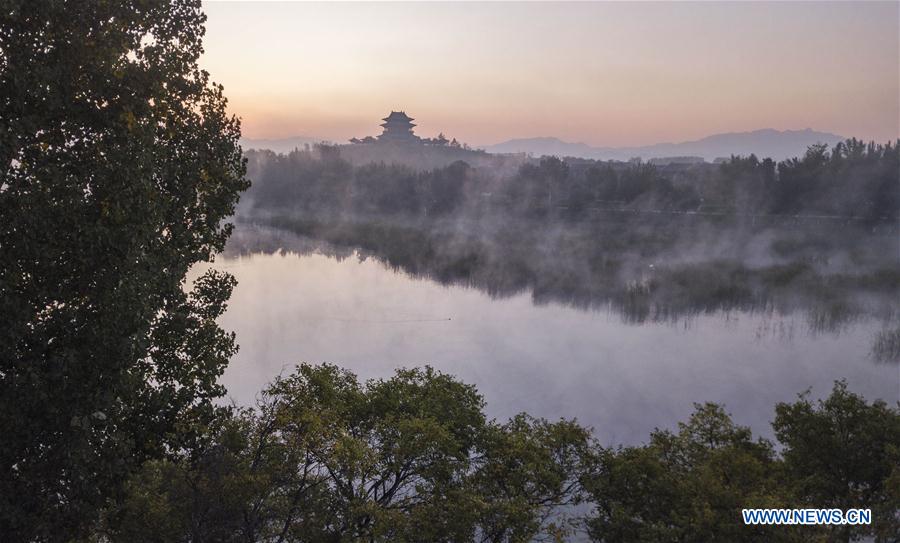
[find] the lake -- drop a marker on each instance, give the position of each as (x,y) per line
(552,360)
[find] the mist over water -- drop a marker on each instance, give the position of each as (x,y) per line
(620,294)
(551,359)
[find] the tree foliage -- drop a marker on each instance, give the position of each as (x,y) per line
(691,485)
(327,458)
(853,180)
(685,486)
(844,452)
(118,164)
(324,457)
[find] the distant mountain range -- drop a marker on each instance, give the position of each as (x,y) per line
(775,144)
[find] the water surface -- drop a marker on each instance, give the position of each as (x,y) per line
(551,360)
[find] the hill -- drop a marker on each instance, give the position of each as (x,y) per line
(768,142)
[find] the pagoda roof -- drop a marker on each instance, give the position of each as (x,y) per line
(398,116)
(393,124)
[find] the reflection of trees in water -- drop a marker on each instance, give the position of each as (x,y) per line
(777,327)
(886,347)
(646,272)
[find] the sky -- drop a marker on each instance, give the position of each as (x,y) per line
(606,74)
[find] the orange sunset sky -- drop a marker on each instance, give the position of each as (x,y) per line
(603,73)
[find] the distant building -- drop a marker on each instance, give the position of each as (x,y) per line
(398,127)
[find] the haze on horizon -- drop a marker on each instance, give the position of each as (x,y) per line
(606,74)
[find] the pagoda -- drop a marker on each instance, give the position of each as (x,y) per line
(398,127)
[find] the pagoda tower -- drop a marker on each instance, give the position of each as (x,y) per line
(398,127)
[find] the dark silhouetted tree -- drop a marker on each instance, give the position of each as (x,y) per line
(118,164)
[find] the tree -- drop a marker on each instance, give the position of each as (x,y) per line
(691,486)
(327,458)
(536,188)
(446,187)
(393,451)
(118,166)
(554,172)
(249,482)
(387,188)
(798,179)
(844,452)
(688,486)
(528,479)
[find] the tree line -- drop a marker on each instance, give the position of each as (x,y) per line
(853,180)
(325,457)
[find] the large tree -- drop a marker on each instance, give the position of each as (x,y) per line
(118,166)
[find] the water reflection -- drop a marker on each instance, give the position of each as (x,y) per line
(553,360)
(648,282)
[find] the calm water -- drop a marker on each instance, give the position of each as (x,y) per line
(551,360)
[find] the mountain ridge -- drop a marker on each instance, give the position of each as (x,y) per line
(764,142)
